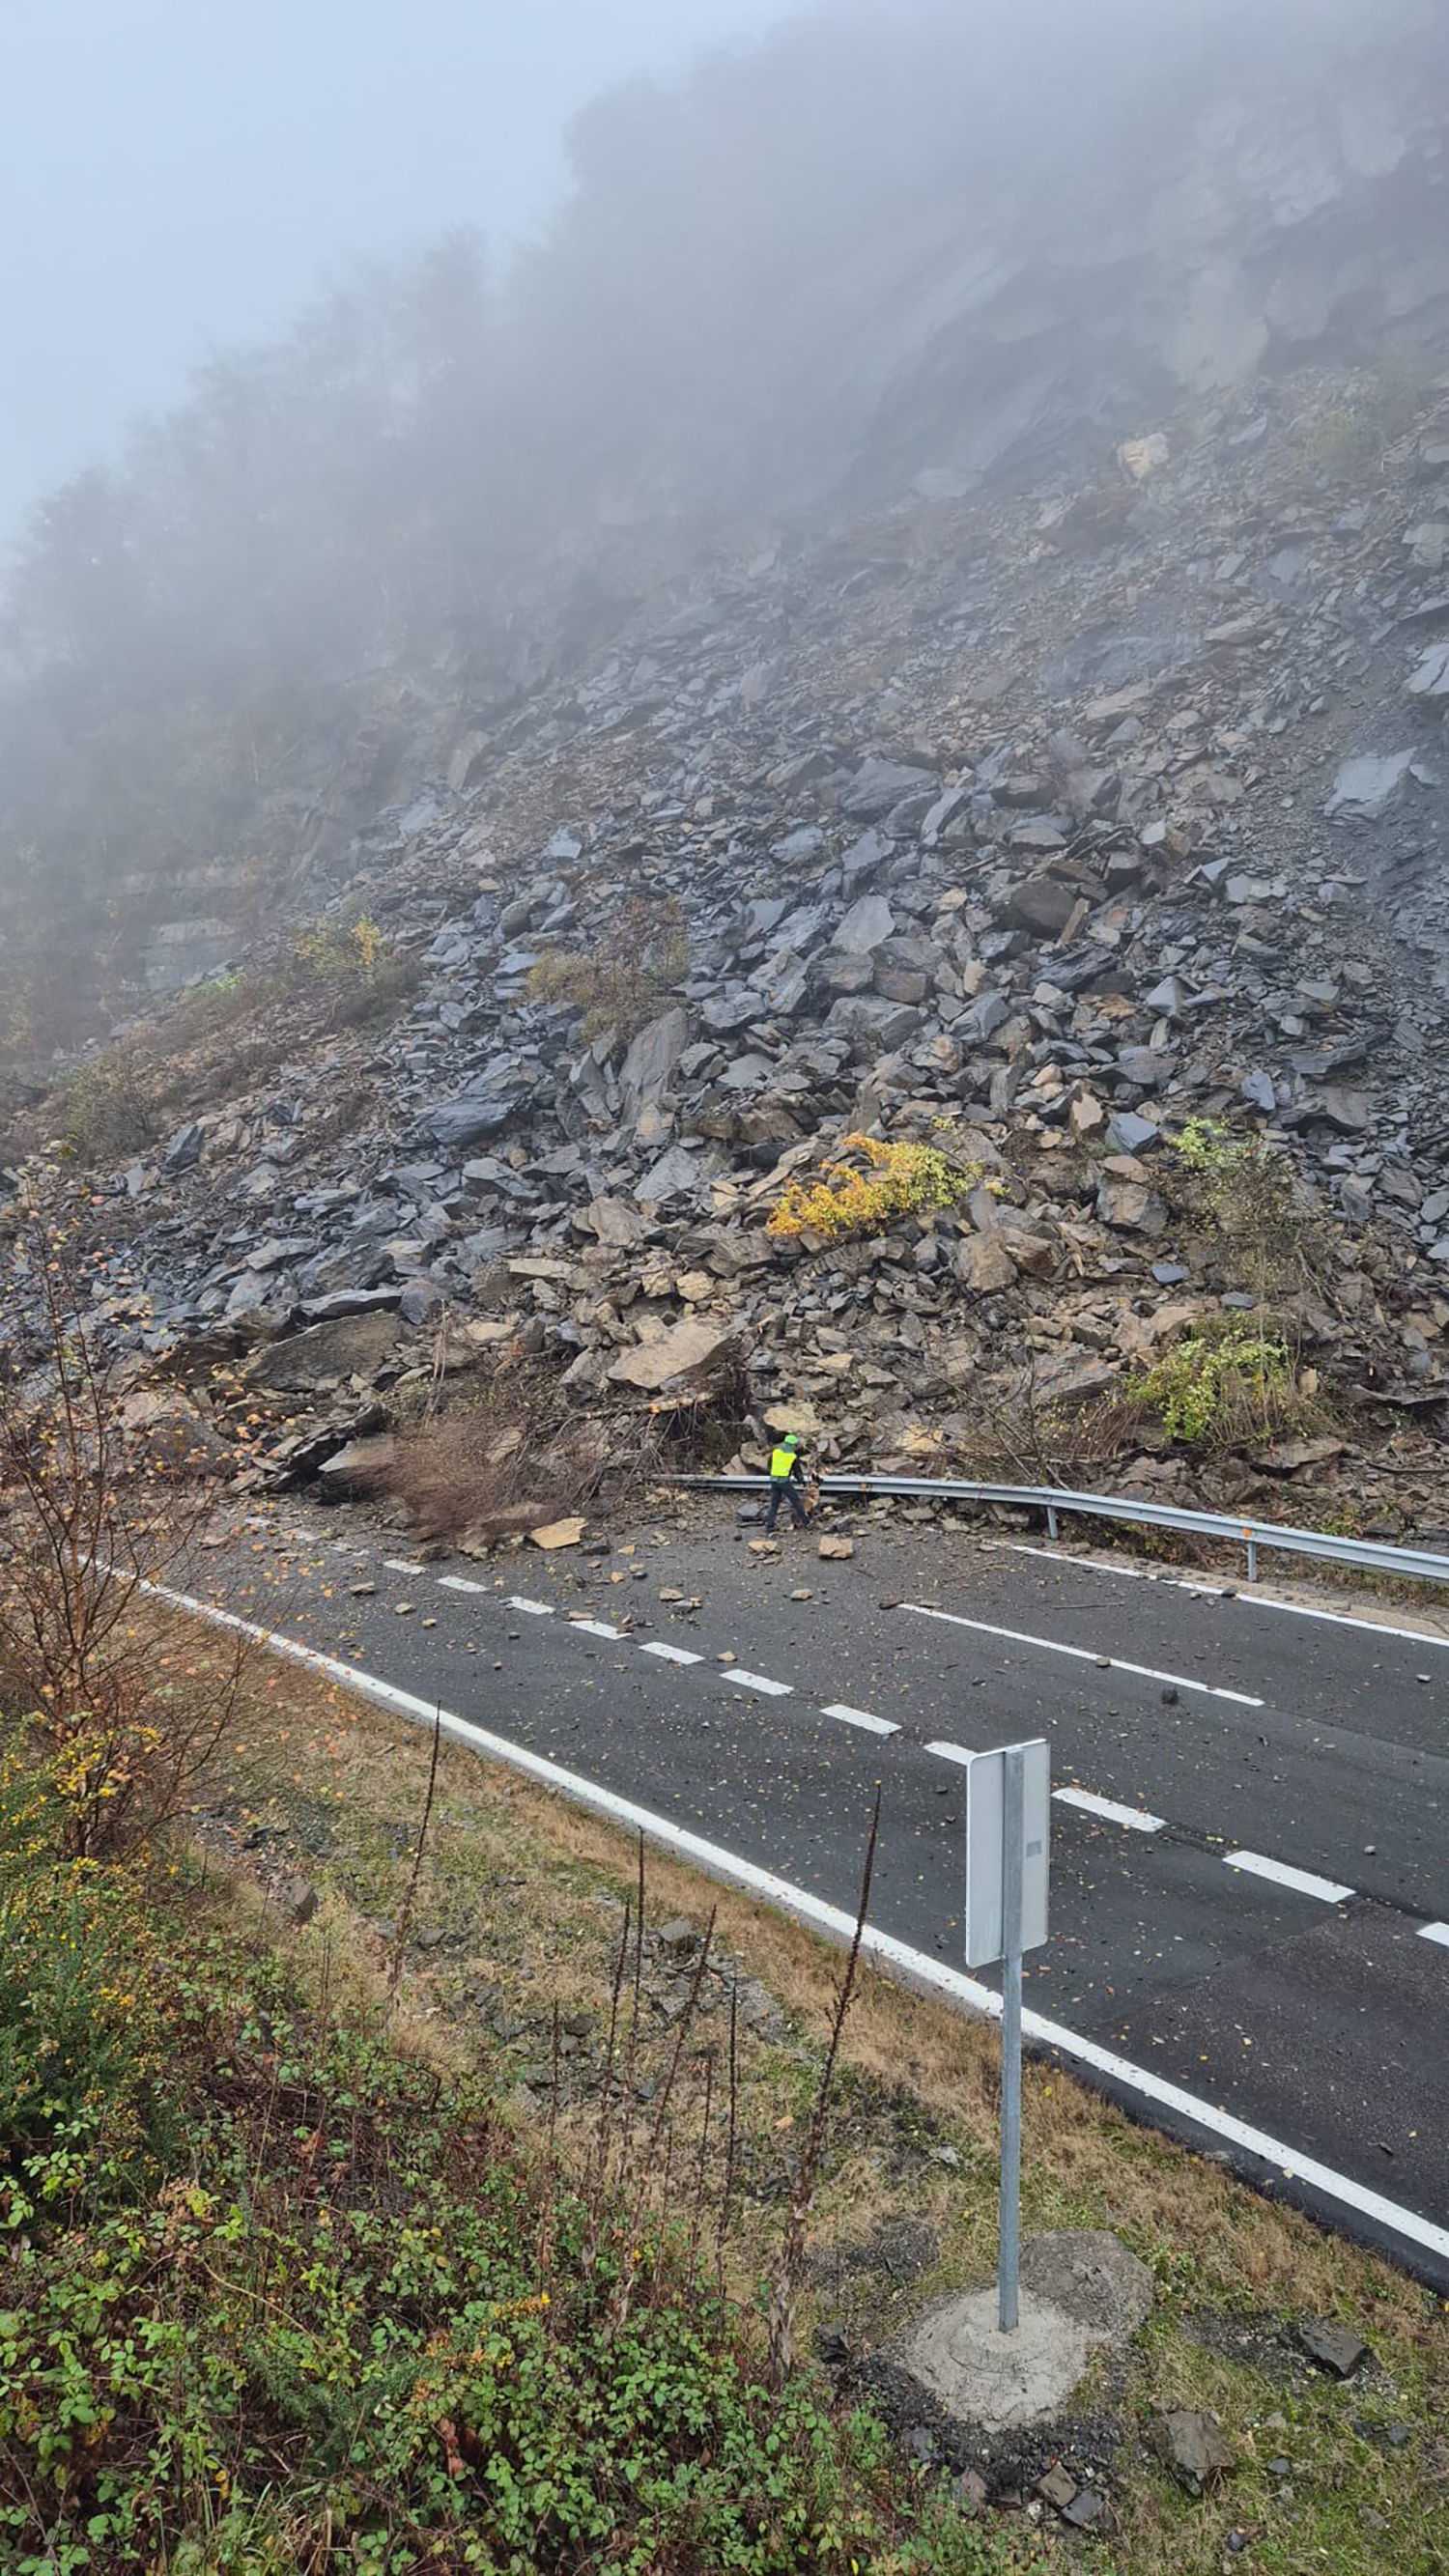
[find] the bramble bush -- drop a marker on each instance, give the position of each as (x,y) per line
(866,1195)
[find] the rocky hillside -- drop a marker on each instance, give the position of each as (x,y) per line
(1031,828)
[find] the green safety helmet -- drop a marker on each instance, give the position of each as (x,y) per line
(791,1440)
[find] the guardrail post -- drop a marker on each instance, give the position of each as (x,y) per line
(1252,1560)
(1051,1520)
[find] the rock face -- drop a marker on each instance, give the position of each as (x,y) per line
(1063,815)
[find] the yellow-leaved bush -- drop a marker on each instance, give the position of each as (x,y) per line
(866,1187)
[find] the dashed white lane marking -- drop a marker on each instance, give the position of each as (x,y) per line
(1081,1654)
(951,1752)
(756,1682)
(597,1628)
(915,1966)
(1435,1932)
(1301,1881)
(1252,1599)
(401,1565)
(862,1717)
(670,1654)
(1135,1818)
(531,1609)
(459,1583)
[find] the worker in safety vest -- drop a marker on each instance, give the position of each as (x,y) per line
(787,1476)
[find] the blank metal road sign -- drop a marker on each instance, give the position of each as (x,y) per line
(988,1934)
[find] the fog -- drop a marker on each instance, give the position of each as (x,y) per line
(175,174)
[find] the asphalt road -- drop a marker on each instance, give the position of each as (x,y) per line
(1258,1920)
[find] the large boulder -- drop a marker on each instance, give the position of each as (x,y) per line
(325,1354)
(646,1071)
(690,1350)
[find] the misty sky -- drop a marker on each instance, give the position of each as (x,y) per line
(176,174)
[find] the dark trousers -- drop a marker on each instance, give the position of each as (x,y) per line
(784,1488)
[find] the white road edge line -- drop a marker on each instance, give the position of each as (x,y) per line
(401,1565)
(459,1583)
(952,1752)
(862,1717)
(532,1609)
(670,1654)
(755,1682)
(915,1966)
(1080,1654)
(595,1628)
(1435,1932)
(1136,1819)
(1254,1599)
(1302,1881)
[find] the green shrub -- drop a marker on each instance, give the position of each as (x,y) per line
(79,2035)
(1264,1226)
(1212,1390)
(109,1110)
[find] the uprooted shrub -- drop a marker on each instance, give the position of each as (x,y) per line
(867,1187)
(496,1458)
(1217,1390)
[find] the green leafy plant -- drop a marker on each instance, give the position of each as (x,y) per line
(1210,1390)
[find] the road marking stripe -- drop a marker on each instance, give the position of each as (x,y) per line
(533,1609)
(916,1966)
(756,1682)
(1218,1591)
(401,1565)
(862,1717)
(596,1628)
(670,1654)
(459,1583)
(952,1752)
(1340,1619)
(1135,1818)
(1081,1654)
(1302,1881)
(1435,1932)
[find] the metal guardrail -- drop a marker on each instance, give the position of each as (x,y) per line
(1374,1556)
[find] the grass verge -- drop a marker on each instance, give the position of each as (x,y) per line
(510,1945)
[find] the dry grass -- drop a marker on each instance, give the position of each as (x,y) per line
(524,1896)
(493,1460)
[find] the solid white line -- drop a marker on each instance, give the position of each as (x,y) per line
(1340,1619)
(533,1609)
(1302,1881)
(670,1654)
(1135,1818)
(1435,1932)
(595,1628)
(756,1682)
(1080,1654)
(862,1717)
(914,1965)
(400,1565)
(1254,1599)
(459,1583)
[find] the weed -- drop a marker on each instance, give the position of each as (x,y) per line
(619,987)
(109,1109)
(1250,1195)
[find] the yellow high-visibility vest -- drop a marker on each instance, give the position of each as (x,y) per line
(782,1464)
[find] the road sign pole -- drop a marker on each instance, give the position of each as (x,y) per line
(1012,1828)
